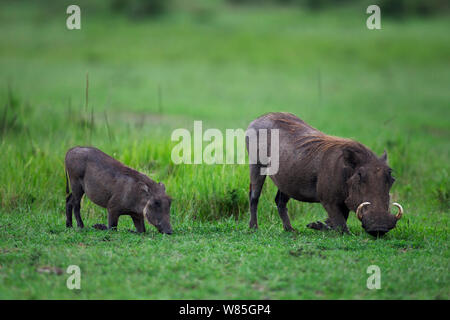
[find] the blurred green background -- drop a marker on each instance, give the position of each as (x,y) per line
(139,69)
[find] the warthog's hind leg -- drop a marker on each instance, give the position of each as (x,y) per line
(256,184)
(77,194)
(69,209)
(73,201)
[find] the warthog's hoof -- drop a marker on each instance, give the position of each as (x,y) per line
(318,225)
(100,226)
(135,231)
(291,229)
(253,227)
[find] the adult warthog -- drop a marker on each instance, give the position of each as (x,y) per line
(116,187)
(342,174)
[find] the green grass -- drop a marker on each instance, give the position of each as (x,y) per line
(387,89)
(219,260)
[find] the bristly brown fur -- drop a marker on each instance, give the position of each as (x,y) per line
(289,121)
(314,143)
(322,143)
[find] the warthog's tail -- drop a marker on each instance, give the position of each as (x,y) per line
(67,182)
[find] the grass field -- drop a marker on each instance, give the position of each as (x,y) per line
(385,88)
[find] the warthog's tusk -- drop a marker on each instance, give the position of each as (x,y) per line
(400,210)
(358,210)
(146,211)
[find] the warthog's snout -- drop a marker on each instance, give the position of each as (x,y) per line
(164,229)
(169,231)
(377,233)
(378,223)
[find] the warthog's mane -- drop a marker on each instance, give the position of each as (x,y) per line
(118,167)
(139,176)
(315,142)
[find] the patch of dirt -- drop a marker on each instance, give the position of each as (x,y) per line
(6,250)
(309,253)
(437,132)
(258,287)
(50,270)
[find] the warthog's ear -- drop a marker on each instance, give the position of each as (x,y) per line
(384,156)
(162,185)
(351,156)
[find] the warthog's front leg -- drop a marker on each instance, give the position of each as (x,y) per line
(139,223)
(337,219)
(113,218)
(100,226)
(281,200)
(319,225)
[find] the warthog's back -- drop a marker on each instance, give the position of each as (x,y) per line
(282,121)
(80,159)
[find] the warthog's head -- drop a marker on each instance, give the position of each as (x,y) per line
(157,210)
(368,193)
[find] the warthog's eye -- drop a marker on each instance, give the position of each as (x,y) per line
(361,175)
(390,179)
(157,203)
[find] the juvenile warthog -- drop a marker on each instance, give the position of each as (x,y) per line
(116,187)
(339,173)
